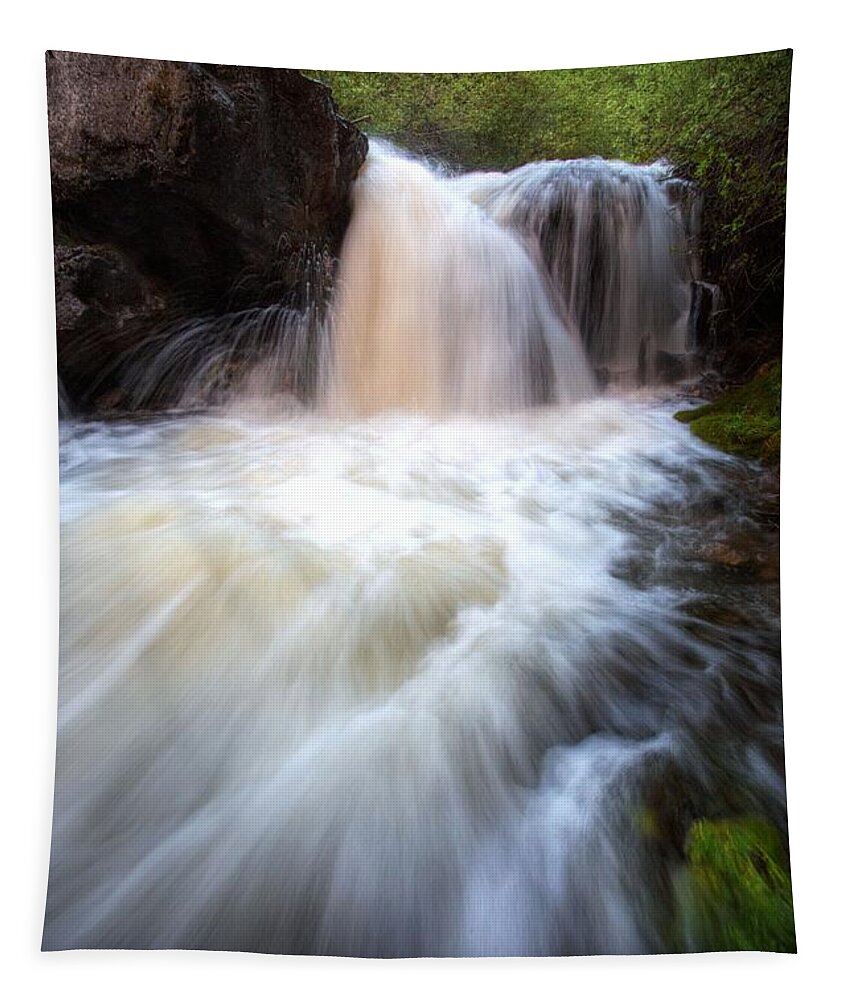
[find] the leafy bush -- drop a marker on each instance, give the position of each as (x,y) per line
(721,122)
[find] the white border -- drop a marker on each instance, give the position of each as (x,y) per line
(441,35)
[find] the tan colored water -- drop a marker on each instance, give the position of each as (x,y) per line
(373,686)
(396,675)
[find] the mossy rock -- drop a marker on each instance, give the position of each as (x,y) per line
(744,421)
(737,891)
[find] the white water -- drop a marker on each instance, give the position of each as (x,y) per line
(399,683)
(370,687)
(481,292)
(440,308)
(618,240)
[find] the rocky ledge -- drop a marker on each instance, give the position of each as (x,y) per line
(181,189)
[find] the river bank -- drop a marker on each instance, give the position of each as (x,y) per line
(743,420)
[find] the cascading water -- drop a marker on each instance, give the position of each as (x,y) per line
(400,674)
(618,241)
(440,308)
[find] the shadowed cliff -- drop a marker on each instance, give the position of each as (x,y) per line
(182,189)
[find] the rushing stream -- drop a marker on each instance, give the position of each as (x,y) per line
(405,672)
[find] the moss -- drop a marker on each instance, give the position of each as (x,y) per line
(744,421)
(738,891)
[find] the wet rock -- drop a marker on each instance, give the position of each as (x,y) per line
(705,300)
(671,367)
(765,490)
(112,400)
(670,805)
(707,387)
(100,299)
(723,554)
(714,612)
(743,353)
(181,188)
(752,553)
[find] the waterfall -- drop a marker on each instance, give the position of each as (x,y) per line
(433,666)
(618,240)
(440,308)
(476,293)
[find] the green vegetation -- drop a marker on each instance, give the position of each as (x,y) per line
(744,421)
(738,895)
(721,122)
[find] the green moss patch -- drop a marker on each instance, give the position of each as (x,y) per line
(738,894)
(744,421)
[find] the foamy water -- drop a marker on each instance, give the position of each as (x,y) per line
(618,240)
(440,308)
(480,293)
(393,685)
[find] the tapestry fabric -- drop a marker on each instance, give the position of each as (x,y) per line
(420,482)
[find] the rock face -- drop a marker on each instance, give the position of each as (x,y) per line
(181,188)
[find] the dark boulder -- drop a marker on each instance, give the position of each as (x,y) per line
(705,302)
(672,367)
(102,305)
(179,189)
